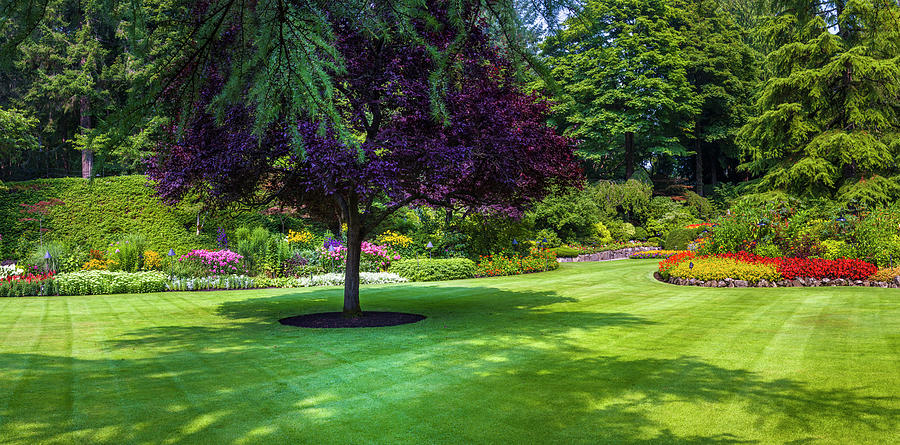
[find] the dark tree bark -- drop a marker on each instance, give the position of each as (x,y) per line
(629,154)
(698,162)
(714,167)
(355,234)
(87,156)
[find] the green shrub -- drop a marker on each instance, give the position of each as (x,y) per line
(769,250)
(640,234)
(566,252)
(99,282)
(837,249)
(552,238)
(699,206)
(679,239)
(434,269)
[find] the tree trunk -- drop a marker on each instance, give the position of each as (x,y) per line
(629,154)
(87,156)
(351,270)
(698,162)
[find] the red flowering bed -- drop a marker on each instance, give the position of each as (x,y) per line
(791,268)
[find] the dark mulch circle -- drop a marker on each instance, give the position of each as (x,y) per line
(337,320)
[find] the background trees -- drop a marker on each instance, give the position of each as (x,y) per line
(827,121)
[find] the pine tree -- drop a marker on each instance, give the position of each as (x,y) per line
(828,120)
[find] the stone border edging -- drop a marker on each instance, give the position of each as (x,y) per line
(798,282)
(618,254)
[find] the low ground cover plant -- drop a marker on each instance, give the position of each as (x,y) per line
(337,279)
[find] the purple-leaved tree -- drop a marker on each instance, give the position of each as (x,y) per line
(489,149)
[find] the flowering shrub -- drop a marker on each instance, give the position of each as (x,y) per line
(28,285)
(209,283)
(95,264)
(374,258)
(698,225)
(152,260)
(212,262)
(9,271)
(886,274)
(303,237)
(716,268)
(647,254)
(498,265)
(98,282)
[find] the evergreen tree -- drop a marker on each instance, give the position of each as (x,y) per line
(625,92)
(722,71)
(828,120)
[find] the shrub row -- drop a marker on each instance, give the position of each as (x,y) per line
(647,254)
(99,282)
(434,269)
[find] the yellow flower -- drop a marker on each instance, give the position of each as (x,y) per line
(393,239)
(152,260)
(299,237)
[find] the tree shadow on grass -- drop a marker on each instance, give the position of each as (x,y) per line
(489,367)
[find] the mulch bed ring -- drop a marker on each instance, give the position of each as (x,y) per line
(337,320)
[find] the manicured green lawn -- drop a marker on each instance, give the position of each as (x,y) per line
(591,353)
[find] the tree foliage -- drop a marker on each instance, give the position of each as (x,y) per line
(490,150)
(828,119)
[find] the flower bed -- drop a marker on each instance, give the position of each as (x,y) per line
(651,254)
(747,269)
(499,265)
(28,285)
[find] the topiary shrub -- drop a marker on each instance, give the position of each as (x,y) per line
(679,239)
(434,269)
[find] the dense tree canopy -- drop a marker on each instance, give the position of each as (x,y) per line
(488,149)
(828,119)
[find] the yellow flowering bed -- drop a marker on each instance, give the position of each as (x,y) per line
(661,254)
(393,239)
(886,274)
(711,268)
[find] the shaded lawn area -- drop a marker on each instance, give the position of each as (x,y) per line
(591,353)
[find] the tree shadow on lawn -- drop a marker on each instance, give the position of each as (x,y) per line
(499,366)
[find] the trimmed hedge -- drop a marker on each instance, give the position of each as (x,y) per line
(96,213)
(434,269)
(566,252)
